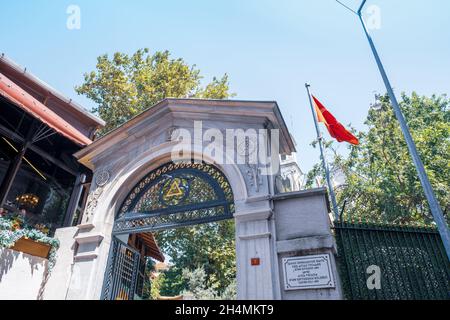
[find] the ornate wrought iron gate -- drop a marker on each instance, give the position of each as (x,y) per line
(124,272)
(411,260)
(172,196)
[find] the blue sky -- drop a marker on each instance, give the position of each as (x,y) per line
(269,48)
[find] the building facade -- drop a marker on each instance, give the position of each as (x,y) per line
(39,132)
(171,166)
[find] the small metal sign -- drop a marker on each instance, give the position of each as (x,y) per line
(255,261)
(308,272)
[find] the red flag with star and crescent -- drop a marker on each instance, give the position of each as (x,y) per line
(335,128)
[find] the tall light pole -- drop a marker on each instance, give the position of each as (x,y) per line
(435,208)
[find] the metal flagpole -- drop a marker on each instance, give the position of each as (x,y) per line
(435,208)
(322,156)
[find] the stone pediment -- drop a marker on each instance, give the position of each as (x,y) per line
(154,126)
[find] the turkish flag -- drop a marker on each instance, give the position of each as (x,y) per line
(335,128)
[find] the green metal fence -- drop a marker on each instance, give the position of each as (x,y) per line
(412,262)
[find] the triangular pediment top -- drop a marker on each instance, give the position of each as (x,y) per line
(193,109)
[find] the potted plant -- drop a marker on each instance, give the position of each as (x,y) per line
(15,234)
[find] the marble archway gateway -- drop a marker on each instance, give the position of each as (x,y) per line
(176,194)
(126,155)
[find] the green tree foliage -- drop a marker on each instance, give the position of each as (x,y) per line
(196,285)
(198,288)
(380,179)
(155,284)
(125,85)
(208,246)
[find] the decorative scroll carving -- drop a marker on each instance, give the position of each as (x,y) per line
(101,179)
(172,134)
(92,202)
(253,172)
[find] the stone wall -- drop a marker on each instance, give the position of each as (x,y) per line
(303,230)
(21,275)
(63,273)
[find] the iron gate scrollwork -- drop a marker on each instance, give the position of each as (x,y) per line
(171,196)
(123,272)
(176,195)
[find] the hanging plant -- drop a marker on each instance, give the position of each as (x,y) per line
(13,228)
